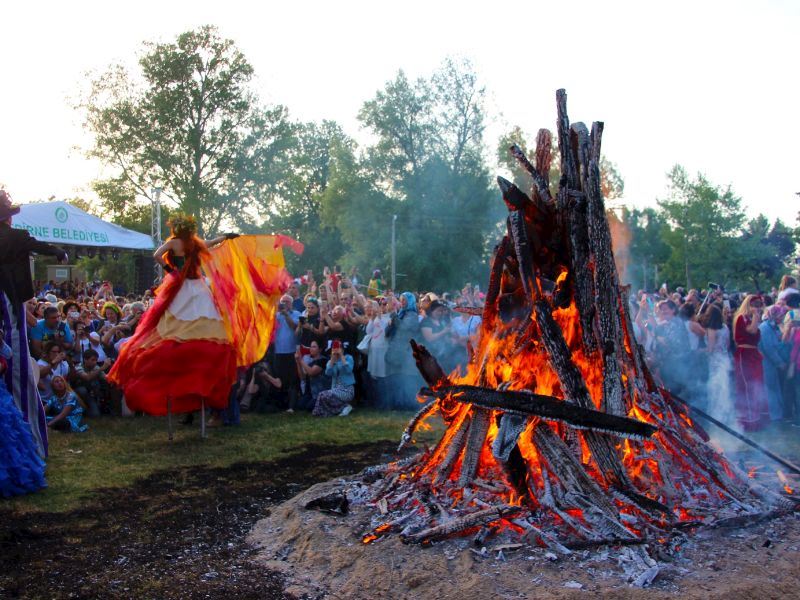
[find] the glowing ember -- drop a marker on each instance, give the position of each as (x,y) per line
(785,482)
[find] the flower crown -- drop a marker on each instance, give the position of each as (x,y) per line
(183,225)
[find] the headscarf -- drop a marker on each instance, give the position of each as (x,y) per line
(776,312)
(411,304)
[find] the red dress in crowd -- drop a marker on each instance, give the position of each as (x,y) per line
(751,397)
(189,344)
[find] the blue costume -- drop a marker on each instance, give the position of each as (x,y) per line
(21,469)
(74,419)
(776,354)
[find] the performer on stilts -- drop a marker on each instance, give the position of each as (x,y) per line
(16,288)
(188,345)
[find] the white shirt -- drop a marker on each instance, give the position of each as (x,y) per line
(60,369)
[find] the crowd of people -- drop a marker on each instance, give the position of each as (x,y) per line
(736,355)
(337,342)
(342,341)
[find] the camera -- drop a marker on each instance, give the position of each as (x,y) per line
(302,320)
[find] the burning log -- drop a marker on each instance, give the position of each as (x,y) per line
(478,429)
(606,283)
(571,203)
(482,517)
(536,405)
(454,451)
(422,414)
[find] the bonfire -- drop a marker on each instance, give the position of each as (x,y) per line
(558,434)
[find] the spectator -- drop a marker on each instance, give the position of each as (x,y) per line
(437,334)
(52,364)
(776,356)
(63,411)
(311,368)
(336,401)
(401,370)
(309,326)
(718,385)
(751,401)
(376,285)
(788,286)
(50,328)
(297,299)
(285,346)
(670,346)
(338,327)
(696,373)
(375,332)
(465,331)
(91,385)
(267,399)
(81,344)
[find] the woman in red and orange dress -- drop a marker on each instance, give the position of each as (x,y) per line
(184,353)
(751,397)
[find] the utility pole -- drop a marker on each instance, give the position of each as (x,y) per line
(155,226)
(394,253)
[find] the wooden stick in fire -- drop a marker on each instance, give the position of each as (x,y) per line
(778,459)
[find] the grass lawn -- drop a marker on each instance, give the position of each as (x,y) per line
(116,451)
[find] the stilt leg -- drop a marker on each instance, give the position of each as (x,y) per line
(169,417)
(203,418)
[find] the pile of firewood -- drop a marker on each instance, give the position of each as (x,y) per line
(558,433)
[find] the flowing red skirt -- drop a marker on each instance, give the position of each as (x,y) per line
(153,371)
(751,396)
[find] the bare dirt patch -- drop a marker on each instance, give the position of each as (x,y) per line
(178,533)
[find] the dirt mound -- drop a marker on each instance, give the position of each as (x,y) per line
(322,554)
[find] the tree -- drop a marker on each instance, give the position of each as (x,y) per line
(321,152)
(191,127)
(427,167)
(705,221)
(762,253)
(647,251)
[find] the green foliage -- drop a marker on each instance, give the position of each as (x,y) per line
(699,234)
(705,221)
(120,271)
(191,127)
(427,168)
(647,228)
(762,252)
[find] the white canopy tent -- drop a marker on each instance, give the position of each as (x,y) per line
(63,224)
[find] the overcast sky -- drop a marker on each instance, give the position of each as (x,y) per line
(711,85)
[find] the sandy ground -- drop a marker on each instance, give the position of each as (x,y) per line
(321,556)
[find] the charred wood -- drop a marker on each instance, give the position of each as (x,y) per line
(606,279)
(422,414)
(482,517)
(476,438)
(454,450)
(568,167)
(541,183)
(522,248)
(573,214)
(495,280)
(529,404)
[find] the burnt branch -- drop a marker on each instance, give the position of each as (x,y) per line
(528,404)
